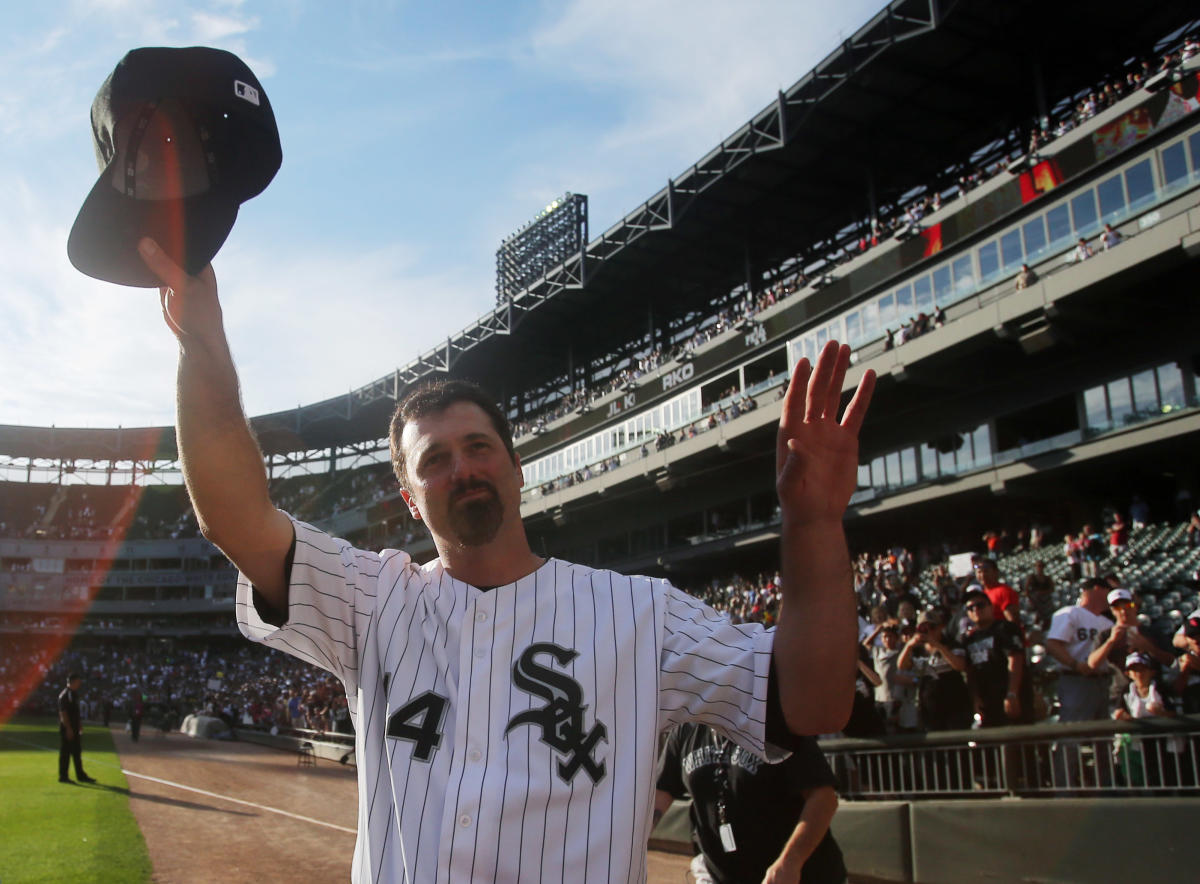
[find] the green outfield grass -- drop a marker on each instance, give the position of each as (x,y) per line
(50,831)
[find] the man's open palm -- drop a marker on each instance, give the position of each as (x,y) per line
(816,455)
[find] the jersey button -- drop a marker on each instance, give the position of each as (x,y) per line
(474,755)
(480,653)
(464,820)
(480,616)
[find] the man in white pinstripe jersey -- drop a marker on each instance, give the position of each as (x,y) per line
(507,707)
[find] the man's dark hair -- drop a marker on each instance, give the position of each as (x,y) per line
(434,398)
(1096,583)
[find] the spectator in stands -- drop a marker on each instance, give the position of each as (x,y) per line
(1118,536)
(1005,601)
(1026,277)
(938,663)
(1187,672)
(295,709)
(897,592)
(1039,589)
(1094,550)
(1143,699)
(1082,690)
(1114,645)
(894,685)
(1110,238)
(1082,251)
(999,683)
(1073,552)
(864,719)
(1139,512)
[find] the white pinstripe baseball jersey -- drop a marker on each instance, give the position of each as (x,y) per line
(510,734)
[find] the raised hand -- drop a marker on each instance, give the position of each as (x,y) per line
(189,303)
(816,455)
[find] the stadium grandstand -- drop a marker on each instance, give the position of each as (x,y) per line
(997,204)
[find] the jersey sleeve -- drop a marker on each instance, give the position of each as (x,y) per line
(715,672)
(1061,626)
(331,598)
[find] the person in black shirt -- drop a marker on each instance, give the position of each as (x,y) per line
(70,743)
(996,674)
(939,663)
(754,821)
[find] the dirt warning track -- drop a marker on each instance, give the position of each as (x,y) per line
(230,811)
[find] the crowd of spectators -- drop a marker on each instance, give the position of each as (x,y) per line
(246,685)
(888,222)
(733,406)
(989,647)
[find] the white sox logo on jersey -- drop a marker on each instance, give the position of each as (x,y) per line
(561,719)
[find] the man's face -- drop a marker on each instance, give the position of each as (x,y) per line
(460,478)
(979,610)
(75,683)
(1125,612)
(987,574)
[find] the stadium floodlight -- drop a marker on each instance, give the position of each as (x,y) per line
(559,232)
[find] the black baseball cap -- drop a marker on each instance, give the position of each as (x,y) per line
(183,137)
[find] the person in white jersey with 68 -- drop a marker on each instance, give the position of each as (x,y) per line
(507,707)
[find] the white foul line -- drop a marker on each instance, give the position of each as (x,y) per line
(294,816)
(130,773)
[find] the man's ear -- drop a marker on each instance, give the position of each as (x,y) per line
(411,504)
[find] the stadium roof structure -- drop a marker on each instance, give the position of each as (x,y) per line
(913,94)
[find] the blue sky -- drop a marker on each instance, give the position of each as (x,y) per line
(415,136)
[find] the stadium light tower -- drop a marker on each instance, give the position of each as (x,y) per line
(558,232)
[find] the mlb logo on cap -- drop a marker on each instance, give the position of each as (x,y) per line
(183,137)
(246,91)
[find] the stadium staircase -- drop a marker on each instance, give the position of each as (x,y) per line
(52,508)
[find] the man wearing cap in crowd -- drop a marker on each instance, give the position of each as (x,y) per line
(1082,690)
(997,675)
(1114,645)
(939,663)
(70,742)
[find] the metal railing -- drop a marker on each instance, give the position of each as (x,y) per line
(1145,757)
